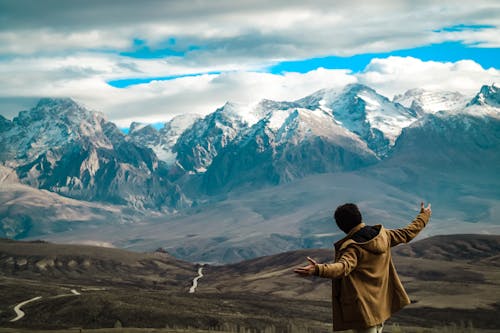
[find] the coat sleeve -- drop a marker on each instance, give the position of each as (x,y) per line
(342,267)
(406,234)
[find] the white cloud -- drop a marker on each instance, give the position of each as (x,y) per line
(72,50)
(83,77)
(242,31)
(160,100)
(26,42)
(395,75)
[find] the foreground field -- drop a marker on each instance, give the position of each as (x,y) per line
(454,284)
(392,329)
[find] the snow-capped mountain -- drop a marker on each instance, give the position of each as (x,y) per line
(275,169)
(163,140)
(328,131)
(425,101)
(451,157)
(51,124)
(356,112)
(65,148)
(361,110)
(288,143)
(488,95)
(61,146)
(199,144)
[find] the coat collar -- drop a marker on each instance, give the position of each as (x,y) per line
(345,240)
(355,229)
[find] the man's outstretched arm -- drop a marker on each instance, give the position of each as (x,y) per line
(347,262)
(406,234)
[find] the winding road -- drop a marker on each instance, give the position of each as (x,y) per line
(20,313)
(195,280)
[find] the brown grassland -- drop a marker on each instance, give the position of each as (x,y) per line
(454,283)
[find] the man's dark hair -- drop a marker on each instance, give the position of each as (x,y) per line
(347,216)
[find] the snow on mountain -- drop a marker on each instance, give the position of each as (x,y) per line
(62,147)
(451,154)
(285,145)
(360,109)
(450,159)
(59,145)
(425,101)
(52,123)
(136,127)
(487,96)
(199,144)
(170,133)
(422,145)
(163,140)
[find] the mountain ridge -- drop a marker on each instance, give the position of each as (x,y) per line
(67,149)
(269,149)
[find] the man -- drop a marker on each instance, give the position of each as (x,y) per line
(366,288)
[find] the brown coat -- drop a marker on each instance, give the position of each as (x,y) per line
(366,288)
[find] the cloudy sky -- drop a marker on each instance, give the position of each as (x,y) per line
(150,60)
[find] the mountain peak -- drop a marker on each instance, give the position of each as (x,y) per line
(58,110)
(357,87)
(53,102)
(5,123)
(141,127)
(430,101)
(488,95)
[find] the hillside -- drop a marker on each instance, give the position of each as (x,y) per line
(84,264)
(263,293)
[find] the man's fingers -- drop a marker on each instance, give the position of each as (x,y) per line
(311,260)
(423,208)
(306,270)
(301,271)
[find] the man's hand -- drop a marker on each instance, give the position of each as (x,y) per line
(307,270)
(426,210)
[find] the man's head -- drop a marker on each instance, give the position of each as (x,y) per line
(347,216)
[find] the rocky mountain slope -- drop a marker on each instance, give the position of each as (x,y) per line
(64,148)
(424,101)
(29,212)
(162,141)
(451,157)
(260,178)
(361,110)
(286,145)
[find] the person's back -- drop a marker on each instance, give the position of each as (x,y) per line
(366,289)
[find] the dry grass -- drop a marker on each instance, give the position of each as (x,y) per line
(149,292)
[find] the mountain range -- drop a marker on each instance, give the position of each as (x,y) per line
(271,170)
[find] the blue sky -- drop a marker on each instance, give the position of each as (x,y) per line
(448,51)
(158,59)
(444,52)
